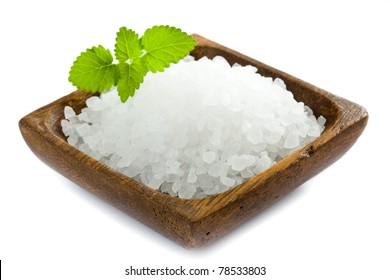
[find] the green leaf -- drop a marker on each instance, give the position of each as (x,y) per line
(128,46)
(132,75)
(165,45)
(160,46)
(93,70)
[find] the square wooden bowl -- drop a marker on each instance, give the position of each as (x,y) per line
(196,222)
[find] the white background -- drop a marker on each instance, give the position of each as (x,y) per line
(335,226)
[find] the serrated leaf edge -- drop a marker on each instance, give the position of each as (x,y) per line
(143,57)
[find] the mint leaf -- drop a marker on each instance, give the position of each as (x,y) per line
(127,46)
(160,46)
(93,70)
(165,45)
(132,75)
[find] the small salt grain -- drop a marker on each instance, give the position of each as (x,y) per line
(69,112)
(155,183)
(191,176)
(176,186)
(321,121)
(227,181)
(292,141)
(188,191)
(73,139)
(208,157)
(83,129)
(66,127)
(95,103)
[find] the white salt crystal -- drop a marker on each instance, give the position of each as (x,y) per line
(223,170)
(180,141)
(188,58)
(176,186)
(95,103)
(201,170)
(249,160)
(180,172)
(191,176)
(214,170)
(238,163)
(247,173)
(280,83)
(239,180)
(91,140)
(250,68)
(196,129)
(66,127)
(226,100)
(215,139)
(272,137)
(132,171)
(190,152)
(126,160)
(205,182)
(69,112)
(227,181)
(221,60)
(83,116)
(212,190)
(255,135)
(105,148)
(314,131)
(209,156)
(188,191)
(321,121)
(203,59)
(210,100)
(155,183)
(167,188)
(172,178)
(82,129)
(73,139)
(222,188)
(292,141)
(158,147)
(263,163)
(172,166)
(158,169)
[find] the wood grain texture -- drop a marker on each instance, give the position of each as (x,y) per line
(196,222)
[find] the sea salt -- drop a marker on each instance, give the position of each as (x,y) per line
(197,129)
(208,157)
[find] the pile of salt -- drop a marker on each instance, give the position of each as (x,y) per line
(195,130)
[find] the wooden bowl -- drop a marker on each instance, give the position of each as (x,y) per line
(196,222)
